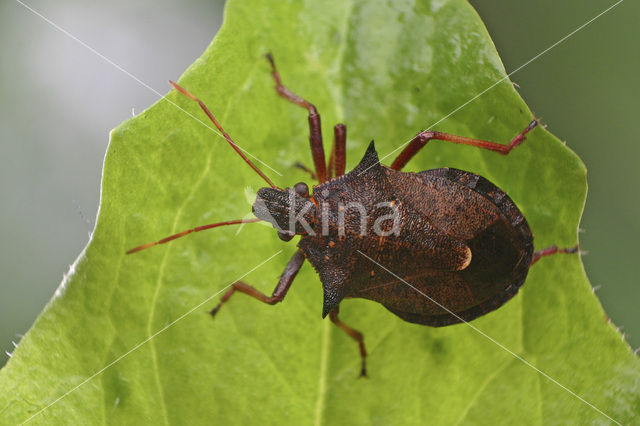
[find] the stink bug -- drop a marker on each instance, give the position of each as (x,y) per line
(457,239)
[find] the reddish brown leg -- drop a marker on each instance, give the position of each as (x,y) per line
(422,138)
(315,129)
(338,151)
(287,277)
(332,161)
(552,250)
(355,335)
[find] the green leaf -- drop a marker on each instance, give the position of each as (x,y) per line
(387,71)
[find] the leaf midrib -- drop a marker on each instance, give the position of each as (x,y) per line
(338,97)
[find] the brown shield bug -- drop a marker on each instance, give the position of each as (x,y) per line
(453,235)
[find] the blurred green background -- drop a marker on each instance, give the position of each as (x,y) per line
(58,101)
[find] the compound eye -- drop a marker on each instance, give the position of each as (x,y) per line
(286,235)
(301,189)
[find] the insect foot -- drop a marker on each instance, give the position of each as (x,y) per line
(553,250)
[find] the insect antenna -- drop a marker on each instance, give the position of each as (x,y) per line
(225,134)
(189,231)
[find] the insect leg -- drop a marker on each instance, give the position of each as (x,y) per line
(355,335)
(422,138)
(315,129)
(552,250)
(338,157)
(287,277)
